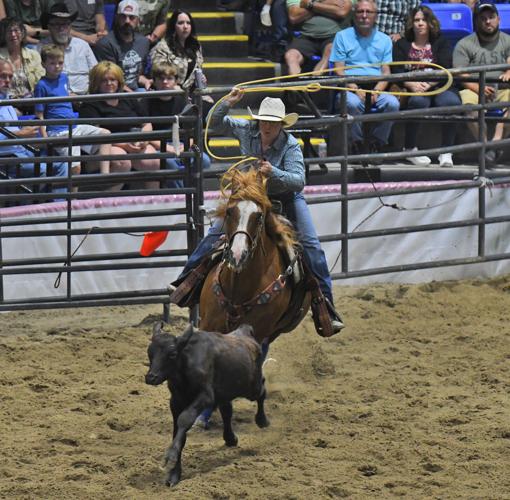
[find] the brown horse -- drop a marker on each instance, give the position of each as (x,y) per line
(252,283)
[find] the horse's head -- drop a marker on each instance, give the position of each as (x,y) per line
(244,215)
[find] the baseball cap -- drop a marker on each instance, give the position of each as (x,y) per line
(483,5)
(129,8)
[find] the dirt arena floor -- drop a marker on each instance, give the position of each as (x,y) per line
(411,400)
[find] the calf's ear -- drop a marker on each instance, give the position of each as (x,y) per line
(156,329)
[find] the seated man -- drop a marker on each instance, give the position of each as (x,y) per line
(90,23)
(361,45)
(488,45)
(284,167)
(126,47)
(8,113)
(78,56)
(29,11)
(318,21)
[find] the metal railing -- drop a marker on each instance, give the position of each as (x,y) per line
(191,213)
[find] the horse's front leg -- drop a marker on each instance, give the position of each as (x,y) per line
(185,420)
(226,415)
(261,418)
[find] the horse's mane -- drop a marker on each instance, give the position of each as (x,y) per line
(251,186)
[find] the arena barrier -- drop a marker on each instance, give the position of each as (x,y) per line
(62,254)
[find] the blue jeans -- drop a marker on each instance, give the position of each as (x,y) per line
(27,170)
(447,98)
(280,21)
(299,214)
(385,103)
(176,164)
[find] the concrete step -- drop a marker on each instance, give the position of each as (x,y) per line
(211,23)
(220,45)
(235,71)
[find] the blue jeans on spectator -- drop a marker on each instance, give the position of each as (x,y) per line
(449,97)
(280,21)
(176,164)
(60,169)
(299,214)
(380,131)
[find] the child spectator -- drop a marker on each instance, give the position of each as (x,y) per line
(164,78)
(55,84)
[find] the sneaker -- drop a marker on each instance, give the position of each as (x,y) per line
(445,160)
(419,161)
(265,17)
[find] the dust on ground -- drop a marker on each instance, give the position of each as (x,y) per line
(411,400)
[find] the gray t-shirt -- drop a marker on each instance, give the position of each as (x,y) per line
(87,10)
(131,57)
(469,52)
(320,26)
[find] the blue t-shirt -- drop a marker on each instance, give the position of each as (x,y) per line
(58,87)
(351,48)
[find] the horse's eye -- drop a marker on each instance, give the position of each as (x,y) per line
(260,215)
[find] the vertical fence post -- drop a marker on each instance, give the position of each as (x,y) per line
(69,210)
(344,217)
(482,137)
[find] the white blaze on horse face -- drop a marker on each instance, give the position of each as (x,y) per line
(241,242)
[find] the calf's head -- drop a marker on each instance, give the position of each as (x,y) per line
(162,352)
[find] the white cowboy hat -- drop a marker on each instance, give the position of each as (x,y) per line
(273,110)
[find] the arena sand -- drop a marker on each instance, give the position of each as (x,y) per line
(411,400)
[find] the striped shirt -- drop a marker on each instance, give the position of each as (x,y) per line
(393,14)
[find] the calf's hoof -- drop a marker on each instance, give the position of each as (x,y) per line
(231,440)
(261,421)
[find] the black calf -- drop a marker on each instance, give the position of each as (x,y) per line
(204,370)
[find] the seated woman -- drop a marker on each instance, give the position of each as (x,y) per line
(163,75)
(30,12)
(107,78)
(181,49)
(423,42)
(25,62)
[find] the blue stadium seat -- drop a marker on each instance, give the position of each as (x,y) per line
(504,16)
(456,19)
(109,14)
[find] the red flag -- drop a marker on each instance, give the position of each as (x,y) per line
(151,241)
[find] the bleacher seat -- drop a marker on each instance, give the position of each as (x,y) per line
(456,19)
(504,17)
(109,14)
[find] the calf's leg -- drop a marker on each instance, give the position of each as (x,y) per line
(228,433)
(184,422)
(260,418)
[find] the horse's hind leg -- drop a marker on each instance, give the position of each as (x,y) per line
(260,418)
(228,433)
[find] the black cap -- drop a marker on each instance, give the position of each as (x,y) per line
(57,11)
(484,5)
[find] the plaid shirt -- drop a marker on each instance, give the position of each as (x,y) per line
(285,156)
(393,14)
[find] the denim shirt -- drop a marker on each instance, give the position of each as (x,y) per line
(285,156)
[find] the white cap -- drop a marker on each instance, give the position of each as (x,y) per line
(129,8)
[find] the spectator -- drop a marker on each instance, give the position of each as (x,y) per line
(107,78)
(30,12)
(163,75)
(25,62)
(55,84)
(318,21)
(422,41)
(487,46)
(361,45)
(126,47)
(153,14)
(274,15)
(78,56)
(181,49)
(90,23)
(393,15)
(8,113)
